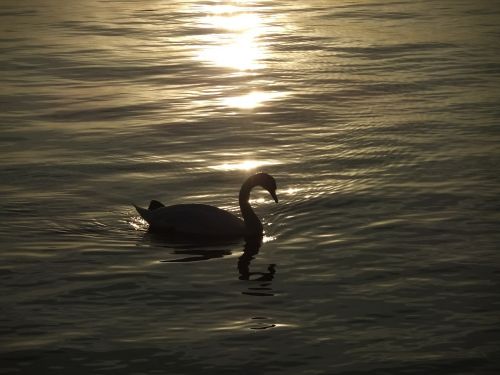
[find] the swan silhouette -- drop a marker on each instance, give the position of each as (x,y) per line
(208,221)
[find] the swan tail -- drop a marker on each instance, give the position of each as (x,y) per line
(145,214)
(153,205)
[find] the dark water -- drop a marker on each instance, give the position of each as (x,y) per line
(380,122)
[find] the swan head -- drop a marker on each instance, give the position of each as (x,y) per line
(267,182)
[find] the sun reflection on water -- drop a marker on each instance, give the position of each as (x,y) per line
(267,238)
(236,44)
(240,54)
(292,191)
(234,38)
(246,165)
(250,100)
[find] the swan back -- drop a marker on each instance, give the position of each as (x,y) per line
(193,219)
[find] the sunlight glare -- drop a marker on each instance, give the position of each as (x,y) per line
(250,100)
(267,239)
(292,191)
(242,53)
(245,165)
(236,46)
(245,21)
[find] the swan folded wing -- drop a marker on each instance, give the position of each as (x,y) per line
(154,204)
(195,219)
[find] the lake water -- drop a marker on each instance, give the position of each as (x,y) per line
(379,121)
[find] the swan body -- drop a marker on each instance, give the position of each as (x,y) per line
(199,219)
(209,221)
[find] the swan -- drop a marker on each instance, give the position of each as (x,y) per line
(209,221)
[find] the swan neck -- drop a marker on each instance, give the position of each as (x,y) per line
(252,222)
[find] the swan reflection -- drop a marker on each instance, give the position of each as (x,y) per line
(252,247)
(195,255)
(195,252)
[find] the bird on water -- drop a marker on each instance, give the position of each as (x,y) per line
(209,221)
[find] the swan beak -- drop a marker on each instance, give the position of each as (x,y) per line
(273,194)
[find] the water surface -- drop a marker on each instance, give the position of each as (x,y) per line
(379,121)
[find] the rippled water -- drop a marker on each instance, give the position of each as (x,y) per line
(379,121)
